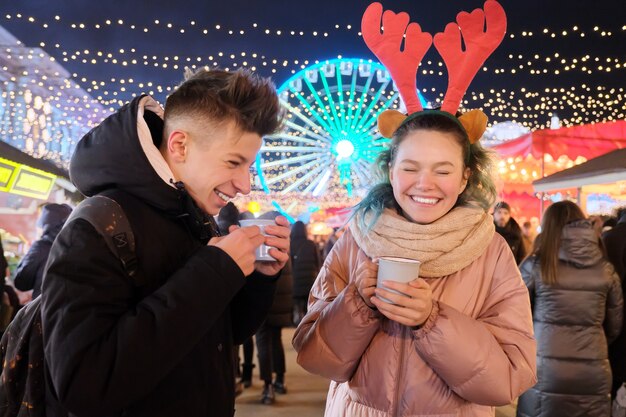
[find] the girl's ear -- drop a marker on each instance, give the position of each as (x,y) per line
(466,176)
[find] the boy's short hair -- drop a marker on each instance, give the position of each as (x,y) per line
(217,95)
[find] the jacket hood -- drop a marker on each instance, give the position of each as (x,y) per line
(52,218)
(122,153)
(580,244)
(229,216)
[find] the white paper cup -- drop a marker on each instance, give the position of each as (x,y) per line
(398,270)
(262,252)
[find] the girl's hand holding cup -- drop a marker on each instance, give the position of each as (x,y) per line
(400,294)
(365,281)
(412,303)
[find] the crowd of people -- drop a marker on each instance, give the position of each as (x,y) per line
(574,284)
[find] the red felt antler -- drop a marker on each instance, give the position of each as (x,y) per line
(401,64)
(479,44)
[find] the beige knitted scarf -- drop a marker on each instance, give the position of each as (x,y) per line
(444,247)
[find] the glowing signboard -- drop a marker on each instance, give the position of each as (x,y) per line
(23,180)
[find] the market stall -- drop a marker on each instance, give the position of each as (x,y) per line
(547,151)
(599,183)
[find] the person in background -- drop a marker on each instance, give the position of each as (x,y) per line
(528,237)
(615,244)
(609,223)
(332,239)
(4,264)
(508,228)
(9,301)
(30,271)
(227,217)
(459,338)
(271,353)
(597,222)
(305,263)
(247,366)
(577,310)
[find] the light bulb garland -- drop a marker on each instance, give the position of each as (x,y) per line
(139,70)
(193,28)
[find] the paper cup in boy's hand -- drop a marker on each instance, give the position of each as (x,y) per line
(262,252)
(396,269)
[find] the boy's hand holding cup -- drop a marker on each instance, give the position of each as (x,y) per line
(272,255)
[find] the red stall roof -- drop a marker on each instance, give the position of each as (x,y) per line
(587,141)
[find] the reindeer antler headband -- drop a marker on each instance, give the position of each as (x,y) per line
(462,65)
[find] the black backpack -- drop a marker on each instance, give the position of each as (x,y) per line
(23,381)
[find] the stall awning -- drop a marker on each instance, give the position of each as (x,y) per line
(604,169)
(588,141)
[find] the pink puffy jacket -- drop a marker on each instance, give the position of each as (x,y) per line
(475,351)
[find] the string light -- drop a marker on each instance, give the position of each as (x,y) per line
(192,28)
(575,103)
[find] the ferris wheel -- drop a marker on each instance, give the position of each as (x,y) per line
(329,138)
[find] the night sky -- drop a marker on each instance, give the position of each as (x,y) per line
(512,94)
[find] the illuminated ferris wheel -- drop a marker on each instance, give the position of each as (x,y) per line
(330,137)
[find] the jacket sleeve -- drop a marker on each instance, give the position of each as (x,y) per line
(251,305)
(339,326)
(97,337)
(520,253)
(614,309)
(31,264)
(490,359)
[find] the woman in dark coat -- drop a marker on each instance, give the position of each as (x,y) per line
(577,310)
(305,263)
(271,353)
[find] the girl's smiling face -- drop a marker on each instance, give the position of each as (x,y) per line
(428,174)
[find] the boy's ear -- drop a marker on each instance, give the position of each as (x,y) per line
(177,144)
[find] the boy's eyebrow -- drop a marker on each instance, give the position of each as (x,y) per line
(237,155)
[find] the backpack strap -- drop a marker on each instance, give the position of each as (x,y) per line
(109,219)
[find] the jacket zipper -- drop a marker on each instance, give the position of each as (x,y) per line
(399,375)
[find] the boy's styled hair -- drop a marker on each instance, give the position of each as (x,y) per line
(217,95)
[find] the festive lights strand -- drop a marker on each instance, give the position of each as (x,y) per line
(587,64)
(193,28)
(603,102)
(101,85)
(612,63)
(587,103)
